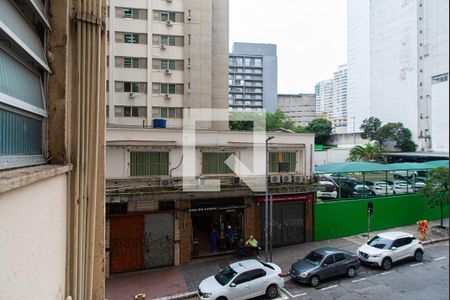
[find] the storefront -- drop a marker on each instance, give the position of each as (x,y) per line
(215,214)
(292,219)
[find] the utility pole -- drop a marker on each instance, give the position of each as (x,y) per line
(266,203)
(369,216)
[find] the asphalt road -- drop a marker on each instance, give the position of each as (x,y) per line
(406,280)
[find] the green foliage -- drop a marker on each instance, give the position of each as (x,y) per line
(436,189)
(322,129)
(370,128)
(368,152)
(253,119)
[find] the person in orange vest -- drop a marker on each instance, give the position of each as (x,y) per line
(423,227)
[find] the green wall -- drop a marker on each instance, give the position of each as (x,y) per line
(346,218)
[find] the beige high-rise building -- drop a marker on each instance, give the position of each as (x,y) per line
(164,56)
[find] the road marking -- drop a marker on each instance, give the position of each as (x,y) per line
(358,280)
(283,296)
(293,296)
(440,258)
(415,265)
(385,273)
(329,287)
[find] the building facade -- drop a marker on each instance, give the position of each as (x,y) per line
(331,99)
(406,44)
(52,105)
(253,77)
(164,56)
(153,222)
(299,108)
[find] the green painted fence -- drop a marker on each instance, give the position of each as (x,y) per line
(346,218)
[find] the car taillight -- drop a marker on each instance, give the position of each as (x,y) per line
(280,274)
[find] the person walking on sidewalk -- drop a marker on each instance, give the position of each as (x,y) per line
(253,244)
(213,240)
(230,236)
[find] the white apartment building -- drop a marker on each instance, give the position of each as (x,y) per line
(331,99)
(299,108)
(164,56)
(398,62)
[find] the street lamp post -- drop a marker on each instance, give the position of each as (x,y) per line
(266,203)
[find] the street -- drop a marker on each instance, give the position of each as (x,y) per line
(406,280)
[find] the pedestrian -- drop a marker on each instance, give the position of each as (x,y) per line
(213,240)
(241,248)
(253,244)
(230,236)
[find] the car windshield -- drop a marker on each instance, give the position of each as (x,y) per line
(380,243)
(225,275)
(314,258)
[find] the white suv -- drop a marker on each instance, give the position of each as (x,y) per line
(389,247)
(243,280)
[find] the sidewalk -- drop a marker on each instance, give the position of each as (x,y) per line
(179,280)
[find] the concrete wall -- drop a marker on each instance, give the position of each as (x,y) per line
(33,240)
(439,117)
(331,156)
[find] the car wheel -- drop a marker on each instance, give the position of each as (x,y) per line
(221,298)
(314,281)
(272,291)
(418,255)
(351,272)
(386,264)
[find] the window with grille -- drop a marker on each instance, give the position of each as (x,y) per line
(23,74)
(149,164)
(214,163)
(282,162)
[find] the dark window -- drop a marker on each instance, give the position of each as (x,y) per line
(166,205)
(401,242)
(339,257)
(255,274)
(380,243)
(127,111)
(244,277)
(116,208)
(135,111)
(329,260)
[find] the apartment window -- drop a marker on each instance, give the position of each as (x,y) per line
(282,162)
(131,62)
(131,38)
(440,78)
(149,164)
(130,87)
(23,72)
(130,111)
(168,64)
(168,16)
(167,88)
(213,163)
(168,40)
(170,113)
(130,13)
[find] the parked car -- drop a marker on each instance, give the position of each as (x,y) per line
(401,187)
(324,263)
(380,188)
(243,280)
(336,177)
(327,190)
(404,174)
(387,248)
(361,191)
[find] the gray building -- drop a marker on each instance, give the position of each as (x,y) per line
(253,77)
(299,108)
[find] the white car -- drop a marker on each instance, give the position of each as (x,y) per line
(243,280)
(327,189)
(402,187)
(387,248)
(380,188)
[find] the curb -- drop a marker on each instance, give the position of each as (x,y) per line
(435,241)
(179,296)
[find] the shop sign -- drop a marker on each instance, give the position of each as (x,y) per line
(288,198)
(218,208)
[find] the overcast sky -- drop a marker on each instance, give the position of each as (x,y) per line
(311,36)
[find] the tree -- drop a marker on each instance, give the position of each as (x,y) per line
(253,118)
(322,129)
(397,133)
(436,189)
(368,152)
(370,128)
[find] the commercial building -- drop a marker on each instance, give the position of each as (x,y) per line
(404,50)
(165,56)
(253,77)
(331,98)
(299,108)
(52,107)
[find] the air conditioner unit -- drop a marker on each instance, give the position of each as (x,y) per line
(201,181)
(132,95)
(168,72)
(297,179)
(169,23)
(167,97)
(164,182)
(286,178)
(163,46)
(274,179)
